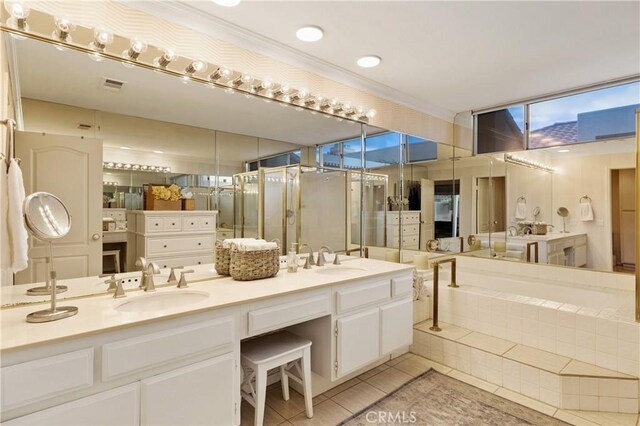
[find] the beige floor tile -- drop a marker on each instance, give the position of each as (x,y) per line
(389,380)
(527,402)
(537,358)
(449,331)
(358,397)
(607,419)
(325,413)
(473,381)
(341,387)
(418,365)
(487,343)
(373,372)
(579,368)
(247,413)
(293,406)
(399,359)
(572,419)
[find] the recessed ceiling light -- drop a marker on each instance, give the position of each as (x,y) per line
(159,152)
(124,147)
(369,61)
(309,33)
(227,3)
(564,150)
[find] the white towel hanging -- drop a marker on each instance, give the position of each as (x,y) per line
(586,211)
(521,209)
(18,237)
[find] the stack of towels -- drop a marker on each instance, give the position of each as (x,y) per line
(249,244)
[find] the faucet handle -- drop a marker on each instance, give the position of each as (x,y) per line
(172,274)
(111,281)
(119,289)
(141,262)
(307,262)
(183,282)
(336,260)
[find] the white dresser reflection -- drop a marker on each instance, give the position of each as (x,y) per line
(172,238)
(410,229)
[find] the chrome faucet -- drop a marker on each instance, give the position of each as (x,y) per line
(172,275)
(147,277)
(183,281)
(111,281)
(321,259)
(512,231)
(525,228)
(309,262)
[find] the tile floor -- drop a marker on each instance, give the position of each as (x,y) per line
(339,403)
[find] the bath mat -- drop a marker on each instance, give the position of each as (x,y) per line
(438,400)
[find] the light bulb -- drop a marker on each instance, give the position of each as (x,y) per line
(63,28)
(165,59)
(227,3)
(195,66)
(246,79)
(371,113)
(284,89)
(265,84)
(221,72)
(19,13)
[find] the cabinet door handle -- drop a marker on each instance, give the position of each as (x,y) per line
(199,244)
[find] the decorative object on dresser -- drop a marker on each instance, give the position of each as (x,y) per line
(162,197)
(171,238)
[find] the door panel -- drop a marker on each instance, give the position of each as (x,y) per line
(426,205)
(358,340)
(397,325)
(69,167)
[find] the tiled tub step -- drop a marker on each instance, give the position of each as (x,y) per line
(553,379)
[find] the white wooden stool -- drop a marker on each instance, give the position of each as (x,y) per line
(281,349)
(116,258)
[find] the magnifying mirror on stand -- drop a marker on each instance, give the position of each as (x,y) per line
(48,219)
(563,213)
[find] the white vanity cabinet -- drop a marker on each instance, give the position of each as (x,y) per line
(172,238)
(373,319)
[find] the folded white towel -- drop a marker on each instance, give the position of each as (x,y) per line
(451,244)
(18,237)
(521,210)
(253,246)
(586,211)
(227,243)
(5,255)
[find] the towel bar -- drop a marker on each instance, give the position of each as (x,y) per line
(585,197)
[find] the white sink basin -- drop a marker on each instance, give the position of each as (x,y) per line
(156,302)
(337,270)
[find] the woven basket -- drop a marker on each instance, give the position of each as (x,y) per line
(223,258)
(254,265)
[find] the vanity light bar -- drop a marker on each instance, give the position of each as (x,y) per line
(509,158)
(137,167)
(266,88)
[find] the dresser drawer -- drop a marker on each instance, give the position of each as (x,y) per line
(144,352)
(285,314)
(163,224)
(44,378)
(171,245)
(207,223)
(190,223)
(170,262)
(408,242)
(401,286)
(407,230)
(361,295)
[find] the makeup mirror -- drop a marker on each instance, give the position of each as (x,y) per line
(563,212)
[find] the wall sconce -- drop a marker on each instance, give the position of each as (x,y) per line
(18,12)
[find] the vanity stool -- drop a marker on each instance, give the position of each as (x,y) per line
(281,349)
(116,258)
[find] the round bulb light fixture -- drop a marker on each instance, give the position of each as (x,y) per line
(227,3)
(310,33)
(369,61)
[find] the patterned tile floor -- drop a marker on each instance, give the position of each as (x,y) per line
(341,402)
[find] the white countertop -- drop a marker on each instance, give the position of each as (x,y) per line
(98,314)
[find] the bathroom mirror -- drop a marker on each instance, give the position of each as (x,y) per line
(198,137)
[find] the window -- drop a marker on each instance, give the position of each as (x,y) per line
(351,154)
(586,117)
(382,150)
(330,155)
(419,149)
(501,130)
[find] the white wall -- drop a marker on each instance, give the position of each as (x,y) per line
(589,175)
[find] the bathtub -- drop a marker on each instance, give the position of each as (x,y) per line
(581,314)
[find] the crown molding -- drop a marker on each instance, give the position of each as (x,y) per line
(211,25)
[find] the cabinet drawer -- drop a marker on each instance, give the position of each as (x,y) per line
(154,224)
(190,223)
(170,245)
(144,352)
(279,316)
(401,286)
(172,223)
(579,241)
(170,262)
(44,378)
(207,223)
(362,295)
(98,409)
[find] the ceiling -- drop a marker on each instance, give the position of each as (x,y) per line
(71,78)
(440,57)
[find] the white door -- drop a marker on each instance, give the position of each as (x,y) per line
(482,205)
(426,206)
(69,167)
(358,341)
(119,406)
(199,394)
(397,325)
